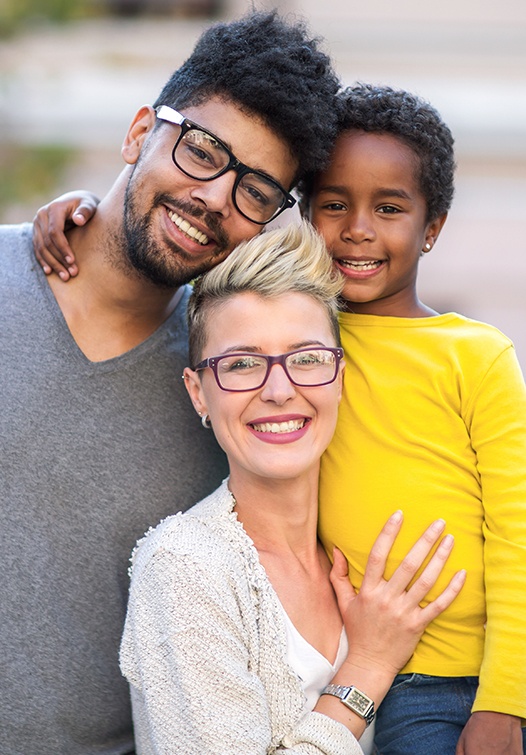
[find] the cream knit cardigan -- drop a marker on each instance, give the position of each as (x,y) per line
(204,646)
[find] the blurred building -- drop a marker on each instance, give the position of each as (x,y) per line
(75,87)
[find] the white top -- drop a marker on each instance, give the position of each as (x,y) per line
(205,643)
(314,670)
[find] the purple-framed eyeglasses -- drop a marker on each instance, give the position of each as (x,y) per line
(248,371)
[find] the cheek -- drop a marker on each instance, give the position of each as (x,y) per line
(325,228)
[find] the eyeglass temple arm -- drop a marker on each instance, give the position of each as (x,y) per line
(166,113)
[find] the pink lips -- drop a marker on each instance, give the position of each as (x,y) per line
(284,435)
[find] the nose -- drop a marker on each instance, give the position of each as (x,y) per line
(215,195)
(358,227)
(278,387)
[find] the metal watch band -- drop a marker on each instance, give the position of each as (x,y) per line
(354,699)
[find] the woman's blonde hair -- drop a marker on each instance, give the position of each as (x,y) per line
(291,259)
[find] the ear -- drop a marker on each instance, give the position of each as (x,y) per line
(195,391)
(139,129)
(432,232)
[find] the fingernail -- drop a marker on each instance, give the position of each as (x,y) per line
(439,525)
(69,259)
(397,516)
(448,541)
(64,276)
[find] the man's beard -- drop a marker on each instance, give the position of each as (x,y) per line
(168,266)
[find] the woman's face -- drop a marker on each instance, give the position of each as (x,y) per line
(280,430)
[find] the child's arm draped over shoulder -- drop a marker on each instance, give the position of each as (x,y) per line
(51,245)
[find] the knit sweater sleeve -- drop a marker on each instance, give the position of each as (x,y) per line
(191,658)
(497,419)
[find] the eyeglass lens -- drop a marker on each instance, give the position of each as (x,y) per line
(201,156)
(249,371)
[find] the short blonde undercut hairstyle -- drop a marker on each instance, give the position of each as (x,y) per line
(286,260)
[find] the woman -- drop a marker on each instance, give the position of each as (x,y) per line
(236,622)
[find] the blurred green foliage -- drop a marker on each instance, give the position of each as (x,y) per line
(16,14)
(32,172)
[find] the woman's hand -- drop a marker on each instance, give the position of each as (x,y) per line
(385,621)
(51,245)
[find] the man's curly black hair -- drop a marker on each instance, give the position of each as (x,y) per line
(272,69)
(383,110)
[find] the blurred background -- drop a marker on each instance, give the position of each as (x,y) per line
(73,73)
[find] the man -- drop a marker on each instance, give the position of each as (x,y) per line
(97,436)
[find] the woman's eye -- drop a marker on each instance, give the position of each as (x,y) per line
(240,364)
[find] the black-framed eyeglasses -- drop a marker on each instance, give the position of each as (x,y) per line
(248,371)
(201,155)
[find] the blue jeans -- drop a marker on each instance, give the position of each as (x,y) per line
(424,715)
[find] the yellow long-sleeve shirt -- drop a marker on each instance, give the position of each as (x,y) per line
(433,422)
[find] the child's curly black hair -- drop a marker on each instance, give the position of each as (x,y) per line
(272,69)
(383,110)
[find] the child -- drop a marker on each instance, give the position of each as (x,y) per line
(433,420)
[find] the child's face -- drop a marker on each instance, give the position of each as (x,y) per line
(369,208)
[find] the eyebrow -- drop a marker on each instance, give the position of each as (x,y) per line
(292,347)
(382,192)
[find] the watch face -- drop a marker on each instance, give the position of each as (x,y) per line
(360,703)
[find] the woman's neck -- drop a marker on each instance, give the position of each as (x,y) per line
(280,516)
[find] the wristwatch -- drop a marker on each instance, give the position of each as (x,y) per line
(357,701)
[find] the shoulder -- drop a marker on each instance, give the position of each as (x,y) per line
(15,240)
(208,535)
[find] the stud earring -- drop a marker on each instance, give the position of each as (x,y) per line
(427,248)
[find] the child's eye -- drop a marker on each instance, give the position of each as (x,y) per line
(388,209)
(335,206)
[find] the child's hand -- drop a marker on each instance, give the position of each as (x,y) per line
(51,246)
(385,621)
(489,733)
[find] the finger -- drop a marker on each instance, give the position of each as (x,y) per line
(37,246)
(432,571)
(51,245)
(47,253)
(375,568)
(446,597)
(408,568)
(341,584)
(85,211)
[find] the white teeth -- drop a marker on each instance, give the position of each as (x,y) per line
(360,265)
(190,230)
(280,427)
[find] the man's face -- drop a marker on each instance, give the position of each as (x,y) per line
(177,227)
